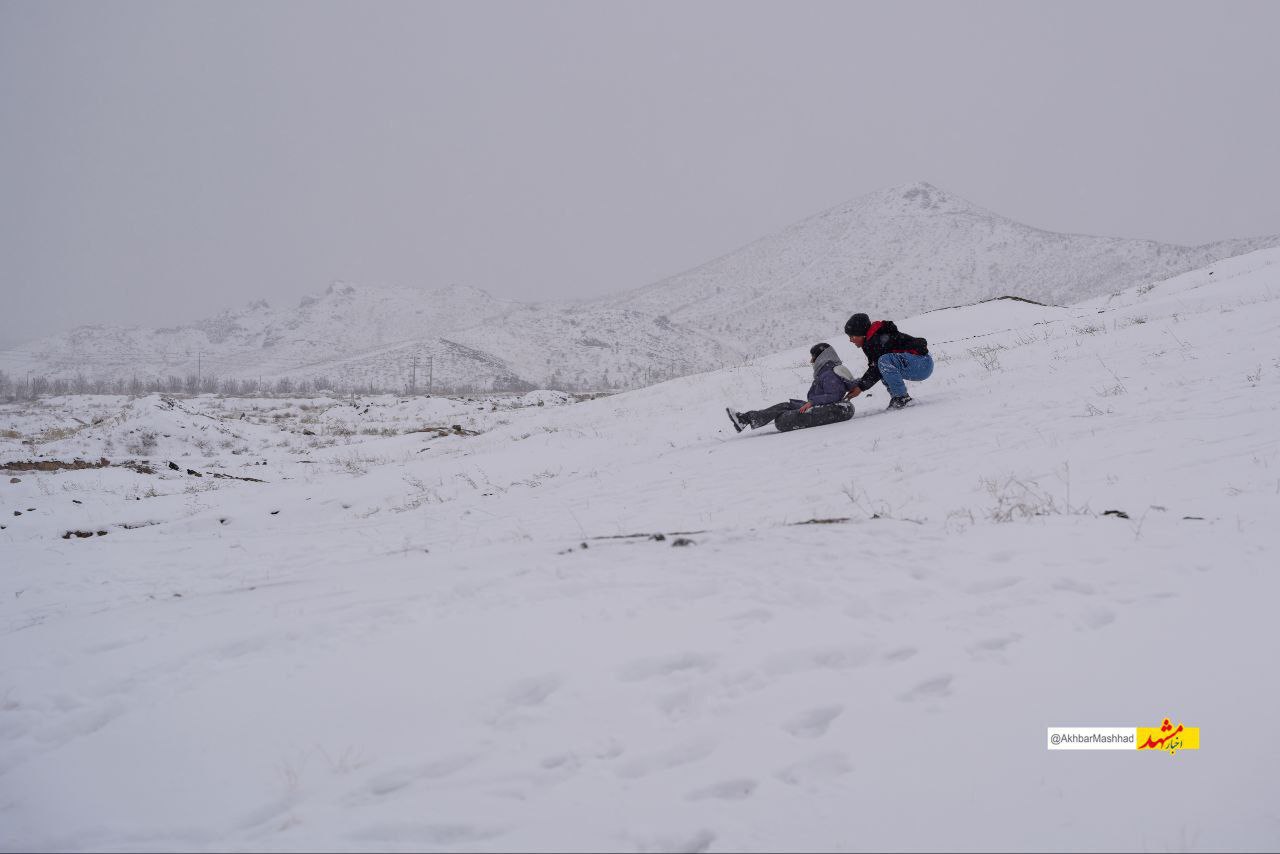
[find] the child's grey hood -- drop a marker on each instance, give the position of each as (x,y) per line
(826,357)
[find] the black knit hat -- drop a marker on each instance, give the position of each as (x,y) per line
(816,350)
(857,325)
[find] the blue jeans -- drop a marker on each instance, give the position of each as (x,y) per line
(896,367)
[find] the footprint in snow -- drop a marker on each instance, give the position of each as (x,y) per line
(930,689)
(817,771)
(532,692)
(813,723)
(1097,618)
(1070,585)
(398,778)
(990,646)
(561,762)
(749,618)
(679,705)
(727,790)
(902,653)
(112,645)
(991,585)
(523,697)
(648,668)
(844,657)
(663,760)
(418,835)
(694,843)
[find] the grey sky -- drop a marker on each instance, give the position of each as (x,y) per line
(159,162)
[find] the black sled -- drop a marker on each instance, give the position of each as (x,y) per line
(832,413)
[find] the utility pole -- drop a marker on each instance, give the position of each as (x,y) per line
(413,377)
(431,374)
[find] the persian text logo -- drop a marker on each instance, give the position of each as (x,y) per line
(1166,737)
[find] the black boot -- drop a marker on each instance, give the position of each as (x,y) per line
(900,401)
(738,421)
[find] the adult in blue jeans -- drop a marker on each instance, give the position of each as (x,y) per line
(892,356)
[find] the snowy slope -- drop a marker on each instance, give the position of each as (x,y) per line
(893,253)
(445,641)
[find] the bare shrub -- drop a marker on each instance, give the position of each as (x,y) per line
(142,444)
(358,465)
(988,357)
(1014,499)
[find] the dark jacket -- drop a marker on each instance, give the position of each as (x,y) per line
(884,337)
(831,379)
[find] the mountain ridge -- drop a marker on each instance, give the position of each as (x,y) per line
(895,252)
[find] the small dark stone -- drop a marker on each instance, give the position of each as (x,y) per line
(194,472)
(17,512)
(274,512)
(76,501)
(174,466)
(683,541)
(15,480)
(224,520)
(102,533)
(1119,514)
(582,545)
(659,538)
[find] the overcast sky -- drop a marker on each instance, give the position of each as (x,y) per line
(160,162)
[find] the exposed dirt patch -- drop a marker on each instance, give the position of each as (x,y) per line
(60,465)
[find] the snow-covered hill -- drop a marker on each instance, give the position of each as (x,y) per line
(899,252)
(453,625)
(361,334)
(892,253)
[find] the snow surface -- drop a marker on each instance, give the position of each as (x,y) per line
(436,640)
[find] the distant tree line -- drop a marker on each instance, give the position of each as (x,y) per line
(32,385)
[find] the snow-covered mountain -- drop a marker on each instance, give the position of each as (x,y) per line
(892,253)
(389,338)
(617,625)
(359,332)
(899,252)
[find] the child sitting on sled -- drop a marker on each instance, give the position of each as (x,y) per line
(832,382)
